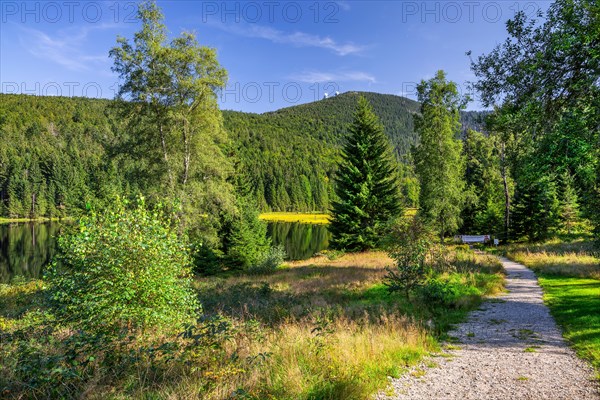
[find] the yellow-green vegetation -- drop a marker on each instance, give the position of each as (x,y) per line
(310,218)
(410,212)
(575,302)
(21,220)
(315,329)
(569,273)
(304,218)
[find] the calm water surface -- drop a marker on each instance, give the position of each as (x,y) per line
(25,249)
(300,241)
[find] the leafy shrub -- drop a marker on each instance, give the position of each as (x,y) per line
(437,292)
(409,243)
(121,269)
(440,259)
(271,261)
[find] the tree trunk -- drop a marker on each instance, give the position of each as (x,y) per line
(506,193)
(187,152)
(163,142)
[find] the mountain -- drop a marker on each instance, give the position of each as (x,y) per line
(291,154)
(56,152)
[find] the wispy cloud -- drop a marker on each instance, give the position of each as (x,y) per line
(65,47)
(299,39)
(340,76)
(344,5)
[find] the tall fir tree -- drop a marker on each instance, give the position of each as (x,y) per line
(439,163)
(244,236)
(367,188)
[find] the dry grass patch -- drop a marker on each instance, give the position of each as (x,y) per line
(317,329)
(369,259)
(577,259)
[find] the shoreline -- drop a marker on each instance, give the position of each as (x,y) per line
(31,220)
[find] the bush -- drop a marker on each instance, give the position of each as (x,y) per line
(437,292)
(122,269)
(409,243)
(273,259)
(245,241)
(206,261)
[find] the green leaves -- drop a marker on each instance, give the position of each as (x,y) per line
(174,126)
(438,160)
(544,82)
(122,269)
(409,244)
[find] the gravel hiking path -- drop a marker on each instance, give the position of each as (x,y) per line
(510,348)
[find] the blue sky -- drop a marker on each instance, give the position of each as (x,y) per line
(277,53)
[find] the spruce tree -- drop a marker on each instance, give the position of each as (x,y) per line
(367,189)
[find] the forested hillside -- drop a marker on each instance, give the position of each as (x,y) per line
(59,155)
(291,154)
(53,154)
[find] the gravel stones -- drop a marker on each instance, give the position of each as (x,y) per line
(511,348)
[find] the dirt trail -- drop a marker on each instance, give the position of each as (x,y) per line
(511,348)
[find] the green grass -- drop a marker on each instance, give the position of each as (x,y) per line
(575,304)
(569,273)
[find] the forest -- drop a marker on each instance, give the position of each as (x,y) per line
(62,154)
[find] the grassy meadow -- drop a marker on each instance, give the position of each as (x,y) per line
(309,218)
(304,218)
(323,328)
(569,273)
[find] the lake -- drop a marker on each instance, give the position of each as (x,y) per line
(25,249)
(300,241)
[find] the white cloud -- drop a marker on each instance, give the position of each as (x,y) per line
(340,76)
(344,5)
(65,47)
(299,39)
